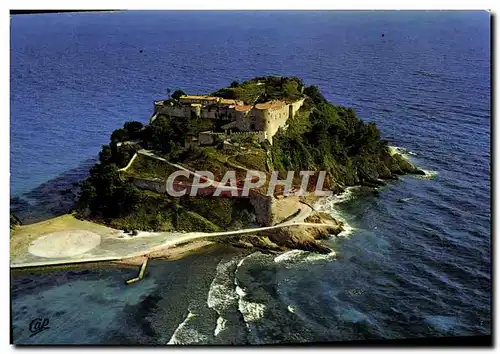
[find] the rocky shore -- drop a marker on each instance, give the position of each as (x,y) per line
(302,237)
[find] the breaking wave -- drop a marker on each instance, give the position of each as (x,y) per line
(429,174)
(328,205)
(299,256)
(222,295)
(251,311)
(186,334)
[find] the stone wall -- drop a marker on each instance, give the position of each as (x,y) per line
(208,138)
(270,210)
(276,118)
(259,135)
(255,119)
(180,111)
(218,112)
(296,106)
(158,186)
(263,205)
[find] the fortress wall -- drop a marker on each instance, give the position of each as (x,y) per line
(197,101)
(263,205)
(158,106)
(207,138)
(157,186)
(276,118)
(296,106)
(218,113)
(260,135)
(243,120)
(174,111)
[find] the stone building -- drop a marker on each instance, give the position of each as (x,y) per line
(265,118)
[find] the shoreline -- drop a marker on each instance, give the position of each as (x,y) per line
(301,237)
(172,254)
(63,231)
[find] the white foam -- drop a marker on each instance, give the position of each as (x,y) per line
(222,294)
(328,205)
(314,257)
(397,150)
(251,311)
(347,230)
(221,325)
(299,256)
(240,292)
(287,256)
(429,174)
(186,335)
(240,262)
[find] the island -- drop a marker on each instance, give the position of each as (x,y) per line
(191,170)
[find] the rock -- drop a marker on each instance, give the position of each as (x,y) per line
(418,171)
(403,163)
(314,218)
(303,237)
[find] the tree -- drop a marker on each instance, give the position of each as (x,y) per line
(119,135)
(133,129)
(105,155)
(313,92)
(168,92)
(177,94)
(234,84)
(166,134)
(104,194)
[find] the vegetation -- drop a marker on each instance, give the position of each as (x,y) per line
(14,221)
(150,168)
(263,89)
(321,136)
(177,94)
(331,138)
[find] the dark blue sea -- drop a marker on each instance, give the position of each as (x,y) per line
(415,259)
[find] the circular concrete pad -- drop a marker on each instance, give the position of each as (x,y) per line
(63,244)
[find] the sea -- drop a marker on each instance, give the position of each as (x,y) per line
(415,258)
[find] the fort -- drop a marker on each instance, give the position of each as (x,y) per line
(231,116)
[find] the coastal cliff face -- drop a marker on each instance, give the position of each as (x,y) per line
(318,136)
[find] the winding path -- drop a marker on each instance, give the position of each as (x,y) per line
(127,247)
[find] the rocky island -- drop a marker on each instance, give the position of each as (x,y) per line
(265,124)
(188,176)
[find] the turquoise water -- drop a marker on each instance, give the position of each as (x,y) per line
(420,268)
